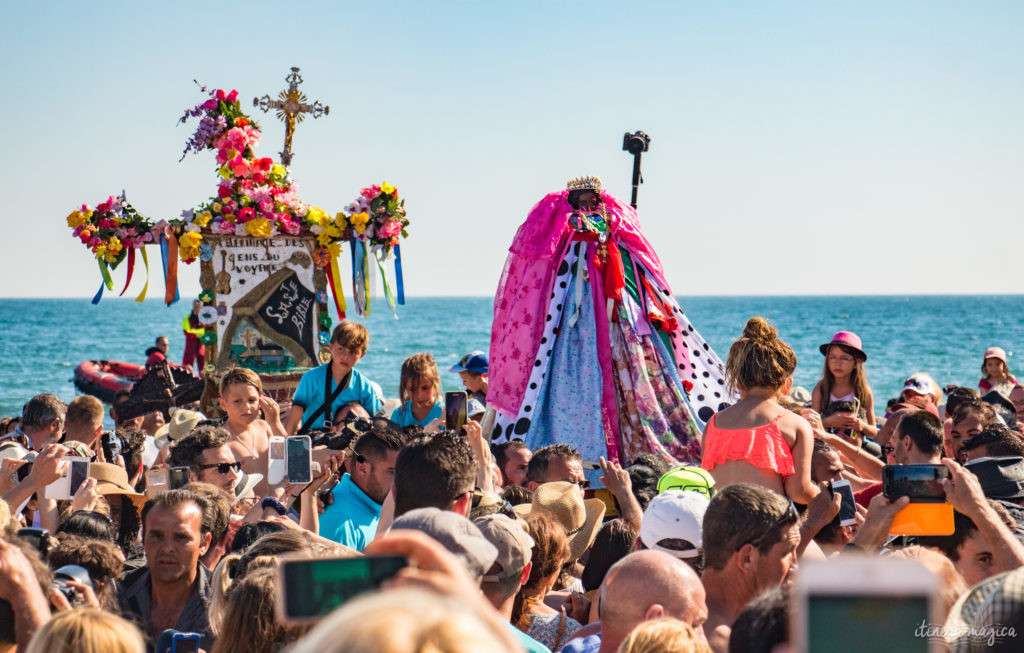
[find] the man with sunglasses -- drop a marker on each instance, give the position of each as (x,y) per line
(750,540)
(206,453)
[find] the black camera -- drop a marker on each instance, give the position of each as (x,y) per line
(636,142)
(70,573)
(113,444)
(351,428)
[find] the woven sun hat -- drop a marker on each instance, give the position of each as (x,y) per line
(847,339)
(563,502)
(181,424)
(989,608)
(113,479)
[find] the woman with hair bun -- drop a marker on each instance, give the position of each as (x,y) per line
(756,440)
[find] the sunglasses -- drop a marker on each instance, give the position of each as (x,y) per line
(791,516)
(223,468)
(886,450)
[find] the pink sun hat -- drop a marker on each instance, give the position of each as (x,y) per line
(995,352)
(847,339)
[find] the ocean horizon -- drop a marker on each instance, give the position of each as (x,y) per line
(943,335)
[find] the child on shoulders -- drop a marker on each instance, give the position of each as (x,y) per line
(756,440)
(241,399)
(420,393)
(997,373)
(843,397)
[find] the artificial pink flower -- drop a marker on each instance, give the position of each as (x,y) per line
(258,177)
(223,191)
(370,192)
(210,104)
(264,164)
(289,226)
(239,166)
(267,206)
(246,214)
(232,97)
(224,227)
(220,94)
(390,229)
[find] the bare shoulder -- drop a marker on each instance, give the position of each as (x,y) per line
(718,638)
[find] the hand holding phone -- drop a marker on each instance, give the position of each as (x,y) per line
(74,475)
(299,459)
(456,410)
(848,507)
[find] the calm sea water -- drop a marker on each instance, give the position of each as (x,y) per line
(43,340)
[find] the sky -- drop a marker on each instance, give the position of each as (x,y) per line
(797,147)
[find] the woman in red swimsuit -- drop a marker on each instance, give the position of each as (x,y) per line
(756,440)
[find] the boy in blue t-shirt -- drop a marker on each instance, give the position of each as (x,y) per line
(348,344)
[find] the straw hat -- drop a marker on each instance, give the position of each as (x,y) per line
(563,502)
(181,424)
(112,479)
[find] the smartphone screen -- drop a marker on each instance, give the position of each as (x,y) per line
(456,410)
(864,623)
(312,588)
(178,477)
(79,472)
(156,482)
(922,483)
(848,508)
(298,459)
(185,643)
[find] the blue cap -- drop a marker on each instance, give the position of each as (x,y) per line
(474,361)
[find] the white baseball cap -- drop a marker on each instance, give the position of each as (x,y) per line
(674,515)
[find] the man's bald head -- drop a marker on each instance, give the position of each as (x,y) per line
(647,585)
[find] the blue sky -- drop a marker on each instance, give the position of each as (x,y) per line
(798,147)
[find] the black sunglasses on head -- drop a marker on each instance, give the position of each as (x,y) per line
(791,516)
(223,468)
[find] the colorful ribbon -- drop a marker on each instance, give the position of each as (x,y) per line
(337,289)
(399,284)
(131,269)
(357,271)
(145,288)
(107,281)
(169,255)
(388,296)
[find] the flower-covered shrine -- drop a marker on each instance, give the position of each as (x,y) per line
(270,263)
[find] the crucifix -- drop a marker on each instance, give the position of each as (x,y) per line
(291,106)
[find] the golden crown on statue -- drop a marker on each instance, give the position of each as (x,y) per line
(584,183)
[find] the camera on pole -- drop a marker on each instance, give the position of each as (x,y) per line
(636,144)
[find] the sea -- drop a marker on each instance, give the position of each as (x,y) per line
(42,340)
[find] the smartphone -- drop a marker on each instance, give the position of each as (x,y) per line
(185,642)
(922,483)
(157,481)
(178,477)
(848,508)
(862,603)
(310,588)
(275,460)
(299,459)
(66,486)
(456,410)
(611,508)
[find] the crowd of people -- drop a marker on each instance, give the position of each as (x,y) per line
(181,531)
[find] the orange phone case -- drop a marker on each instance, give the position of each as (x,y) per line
(923,519)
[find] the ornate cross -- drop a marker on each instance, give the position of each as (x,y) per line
(291,106)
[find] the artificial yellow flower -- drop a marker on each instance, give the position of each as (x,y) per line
(202,219)
(216,207)
(114,245)
(328,234)
(100,251)
(334,249)
(188,244)
(359,221)
(387,188)
(316,215)
(341,221)
(111,257)
(260,228)
(225,172)
(278,169)
(76,219)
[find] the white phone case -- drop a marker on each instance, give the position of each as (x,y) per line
(276,467)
